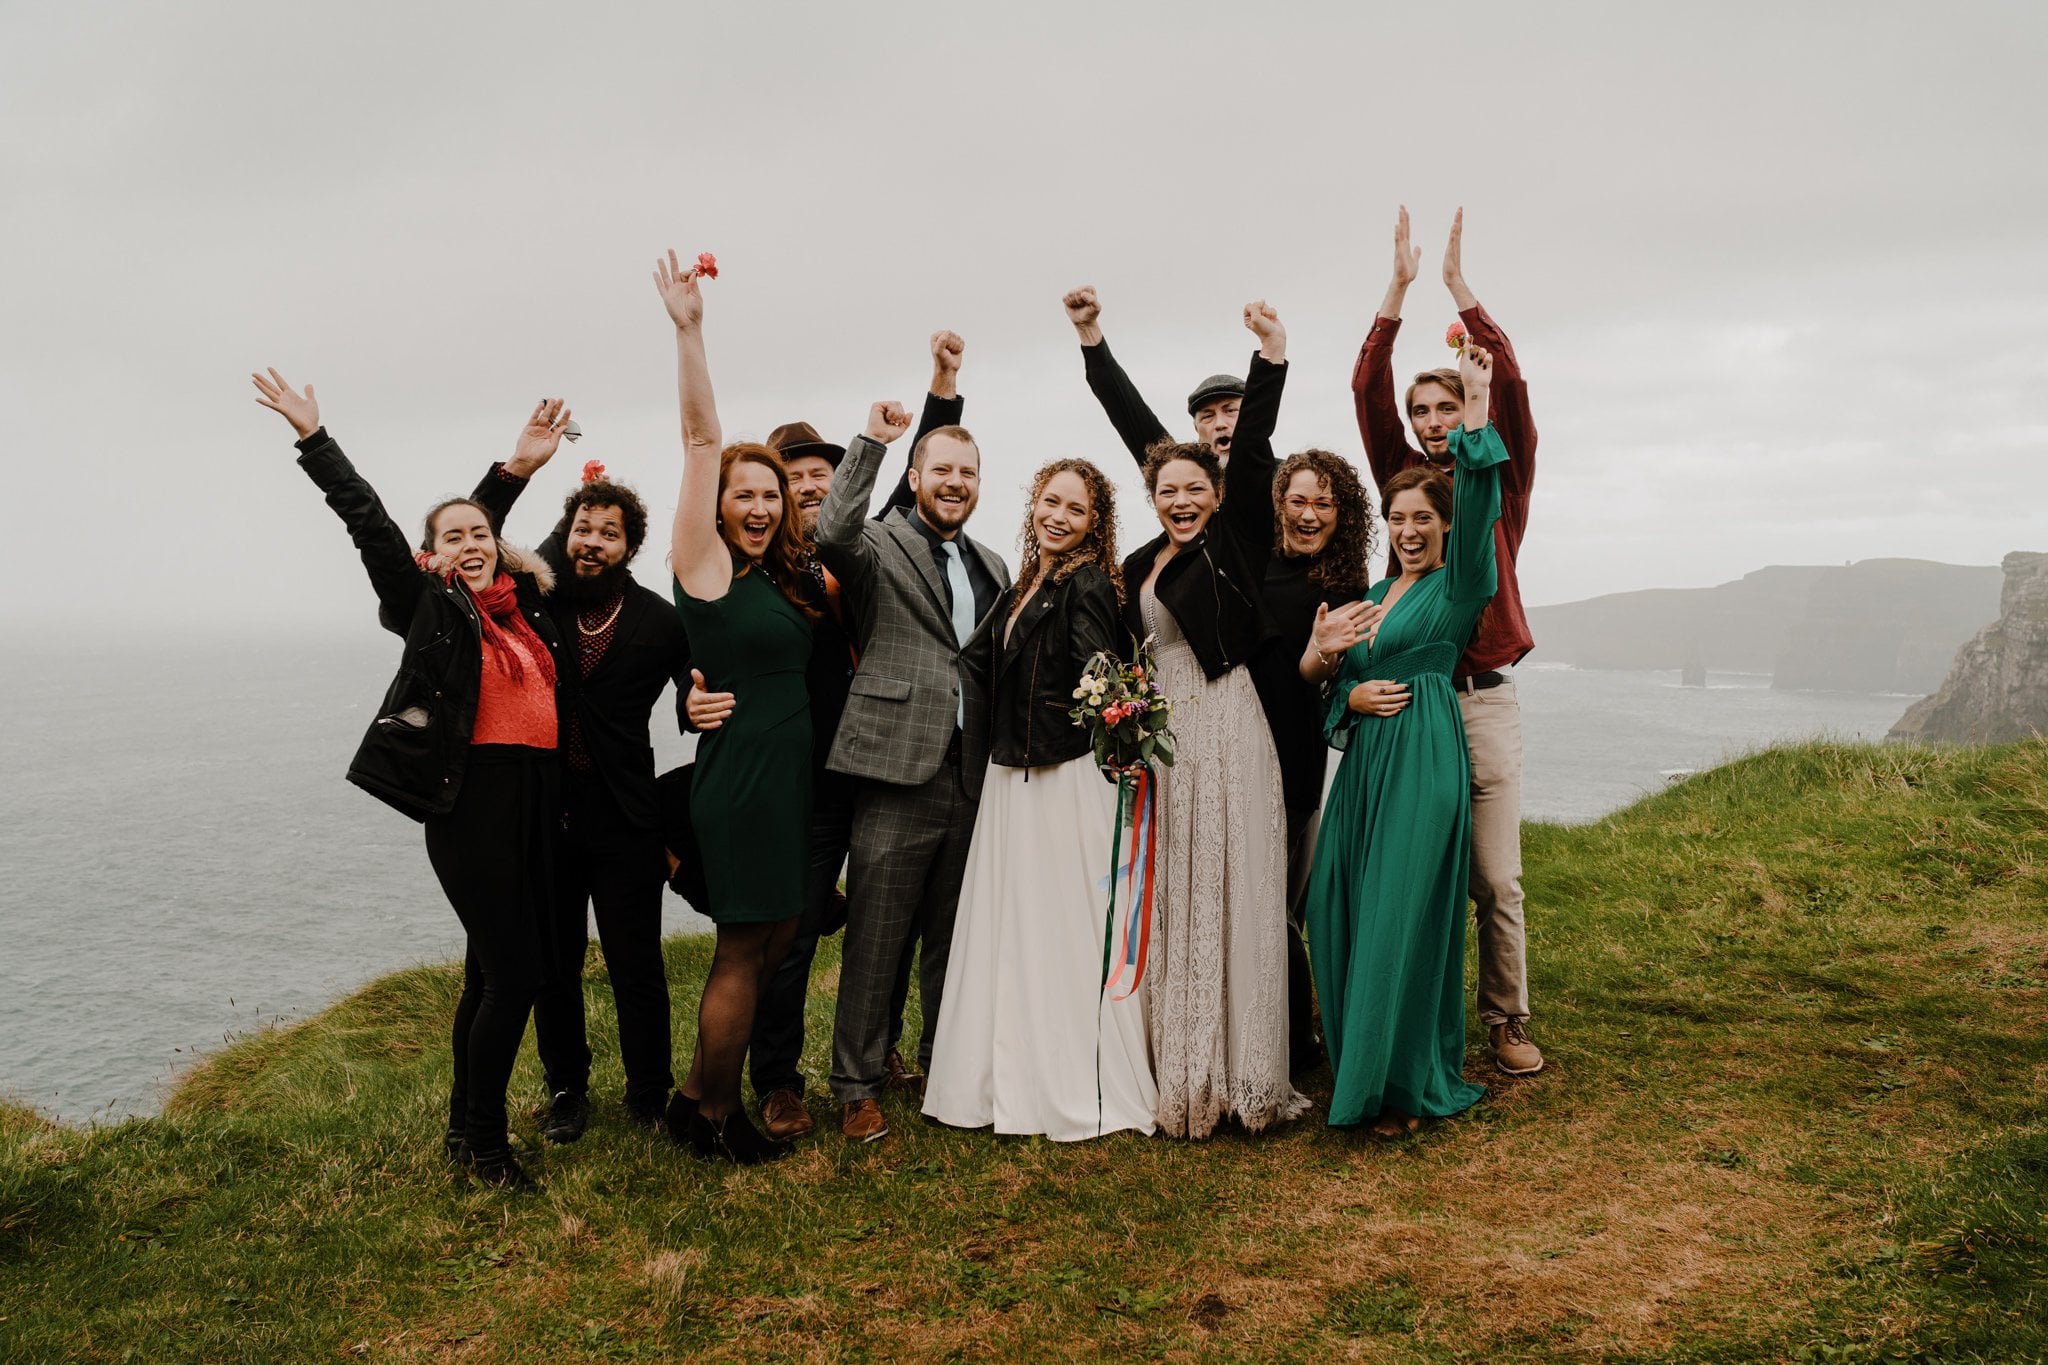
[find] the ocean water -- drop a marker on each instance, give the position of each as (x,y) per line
(181,860)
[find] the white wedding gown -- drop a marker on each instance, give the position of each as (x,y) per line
(1218,982)
(1026,1039)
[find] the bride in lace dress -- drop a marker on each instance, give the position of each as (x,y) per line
(1218,975)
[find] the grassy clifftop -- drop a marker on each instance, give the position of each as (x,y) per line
(1797,1107)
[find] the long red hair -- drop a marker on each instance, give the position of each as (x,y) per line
(788,556)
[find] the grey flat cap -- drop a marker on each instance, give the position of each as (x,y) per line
(1214,387)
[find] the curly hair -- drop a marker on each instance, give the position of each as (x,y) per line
(1160,454)
(787,559)
(605,493)
(1098,547)
(1342,568)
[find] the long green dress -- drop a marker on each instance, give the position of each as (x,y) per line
(750,796)
(1386,894)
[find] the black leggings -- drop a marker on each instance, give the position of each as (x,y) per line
(493,855)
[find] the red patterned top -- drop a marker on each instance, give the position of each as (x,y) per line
(592,640)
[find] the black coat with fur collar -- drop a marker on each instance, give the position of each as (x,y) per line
(417,749)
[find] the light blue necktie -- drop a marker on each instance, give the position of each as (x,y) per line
(963,610)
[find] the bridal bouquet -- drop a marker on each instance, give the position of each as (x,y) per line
(1129,719)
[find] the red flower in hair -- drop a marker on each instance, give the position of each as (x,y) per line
(1454,336)
(707,265)
(593,470)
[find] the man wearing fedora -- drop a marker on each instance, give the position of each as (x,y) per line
(776,1051)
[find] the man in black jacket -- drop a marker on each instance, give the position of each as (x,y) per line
(623,645)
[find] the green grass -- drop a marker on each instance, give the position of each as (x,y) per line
(1796,1108)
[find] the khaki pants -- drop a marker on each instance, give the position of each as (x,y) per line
(1493,734)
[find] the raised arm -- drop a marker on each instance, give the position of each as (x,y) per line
(1510,413)
(1248,478)
(841,544)
(702,564)
(1126,408)
(386,554)
(502,484)
(1471,573)
(1381,424)
(942,408)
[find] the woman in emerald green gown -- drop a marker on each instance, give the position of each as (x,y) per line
(1386,897)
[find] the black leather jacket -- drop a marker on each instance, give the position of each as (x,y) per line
(417,749)
(1036,669)
(1213,586)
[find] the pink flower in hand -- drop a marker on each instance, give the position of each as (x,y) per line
(707,265)
(1454,336)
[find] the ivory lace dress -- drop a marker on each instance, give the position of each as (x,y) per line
(1217,982)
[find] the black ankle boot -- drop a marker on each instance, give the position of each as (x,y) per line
(734,1138)
(455,1146)
(502,1169)
(682,1111)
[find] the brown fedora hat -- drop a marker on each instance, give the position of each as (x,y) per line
(794,440)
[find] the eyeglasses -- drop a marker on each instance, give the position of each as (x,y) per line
(1323,506)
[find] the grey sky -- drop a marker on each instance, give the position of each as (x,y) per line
(1775,272)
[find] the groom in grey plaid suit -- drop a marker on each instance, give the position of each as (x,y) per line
(919,595)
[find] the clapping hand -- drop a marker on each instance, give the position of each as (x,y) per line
(1407,257)
(540,438)
(887,421)
(679,292)
(1454,265)
(301,410)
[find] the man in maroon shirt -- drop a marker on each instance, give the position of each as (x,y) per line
(1486,693)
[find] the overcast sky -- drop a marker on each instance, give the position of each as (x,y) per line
(1775,273)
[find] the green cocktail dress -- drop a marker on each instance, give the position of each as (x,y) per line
(750,795)
(1386,897)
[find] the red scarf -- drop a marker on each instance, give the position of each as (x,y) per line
(502,620)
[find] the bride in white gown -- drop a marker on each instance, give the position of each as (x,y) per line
(1027,1041)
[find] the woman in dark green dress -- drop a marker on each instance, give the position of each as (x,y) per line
(1386,894)
(738,555)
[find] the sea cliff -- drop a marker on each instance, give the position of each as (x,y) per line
(1877,625)
(1997,689)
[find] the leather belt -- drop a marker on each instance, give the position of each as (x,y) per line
(1478,682)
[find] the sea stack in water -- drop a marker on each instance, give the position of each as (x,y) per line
(1997,691)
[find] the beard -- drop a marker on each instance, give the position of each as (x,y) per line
(941,517)
(582,590)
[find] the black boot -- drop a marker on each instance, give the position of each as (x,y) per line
(455,1146)
(568,1116)
(734,1138)
(682,1112)
(502,1169)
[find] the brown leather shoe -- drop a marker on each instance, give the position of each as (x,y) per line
(1513,1053)
(862,1121)
(897,1076)
(784,1117)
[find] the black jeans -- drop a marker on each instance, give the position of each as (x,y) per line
(778,1044)
(603,864)
(492,854)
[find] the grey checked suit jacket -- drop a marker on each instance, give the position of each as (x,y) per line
(900,711)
